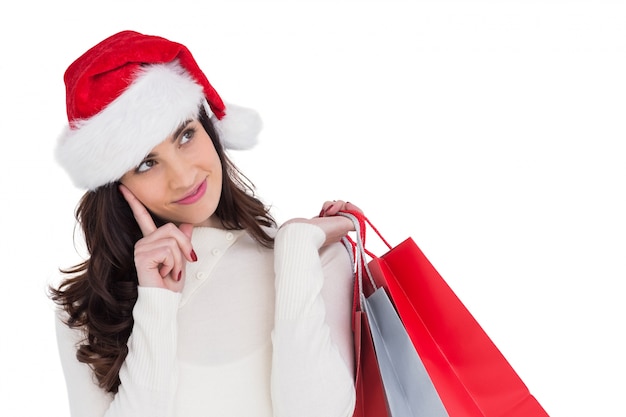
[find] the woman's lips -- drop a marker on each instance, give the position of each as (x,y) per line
(195,195)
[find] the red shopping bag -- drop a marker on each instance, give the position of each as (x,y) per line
(370,394)
(470,373)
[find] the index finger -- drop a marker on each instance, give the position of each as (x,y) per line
(143,218)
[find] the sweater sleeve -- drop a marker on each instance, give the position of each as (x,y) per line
(312,365)
(148,375)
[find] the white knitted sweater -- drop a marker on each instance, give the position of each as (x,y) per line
(255,332)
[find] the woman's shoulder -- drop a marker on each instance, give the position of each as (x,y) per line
(336,253)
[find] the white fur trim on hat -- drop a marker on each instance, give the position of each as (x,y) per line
(239,127)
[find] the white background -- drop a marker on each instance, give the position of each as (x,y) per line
(491,132)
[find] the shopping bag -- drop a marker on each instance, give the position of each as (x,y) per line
(471,375)
(409,392)
(370,395)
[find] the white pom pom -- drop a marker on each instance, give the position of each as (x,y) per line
(239,128)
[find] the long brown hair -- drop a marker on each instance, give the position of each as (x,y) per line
(99,294)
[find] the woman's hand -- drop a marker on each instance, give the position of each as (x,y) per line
(335,227)
(161,255)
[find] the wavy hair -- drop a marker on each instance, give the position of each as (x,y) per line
(99,294)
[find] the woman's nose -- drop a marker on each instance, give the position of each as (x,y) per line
(180,173)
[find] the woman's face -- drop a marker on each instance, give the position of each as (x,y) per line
(181,179)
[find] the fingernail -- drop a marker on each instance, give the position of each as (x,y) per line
(180,275)
(193,255)
(321,213)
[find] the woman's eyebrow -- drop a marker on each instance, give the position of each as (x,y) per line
(180,129)
(174,136)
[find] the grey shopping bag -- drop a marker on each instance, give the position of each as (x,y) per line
(409,389)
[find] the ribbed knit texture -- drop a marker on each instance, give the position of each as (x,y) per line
(155,319)
(255,332)
(297,287)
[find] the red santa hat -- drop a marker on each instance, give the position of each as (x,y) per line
(129,93)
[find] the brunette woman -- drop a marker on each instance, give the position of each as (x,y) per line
(192,302)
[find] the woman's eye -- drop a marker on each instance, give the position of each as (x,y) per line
(145,165)
(187,136)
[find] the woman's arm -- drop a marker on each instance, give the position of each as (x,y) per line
(148,374)
(312,370)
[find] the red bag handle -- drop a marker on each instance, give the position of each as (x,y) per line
(358,251)
(363,222)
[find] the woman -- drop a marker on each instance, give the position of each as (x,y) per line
(192,301)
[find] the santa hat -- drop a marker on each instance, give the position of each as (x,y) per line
(129,93)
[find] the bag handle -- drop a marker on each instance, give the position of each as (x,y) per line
(360,224)
(358,253)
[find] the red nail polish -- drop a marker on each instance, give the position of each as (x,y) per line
(194,257)
(180,275)
(321,213)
